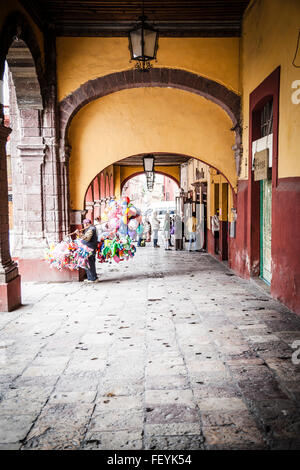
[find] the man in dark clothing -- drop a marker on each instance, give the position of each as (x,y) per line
(90,238)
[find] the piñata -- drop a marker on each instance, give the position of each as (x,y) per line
(117,249)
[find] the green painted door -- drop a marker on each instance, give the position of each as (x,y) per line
(265,230)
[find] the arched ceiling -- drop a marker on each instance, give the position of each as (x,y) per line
(147,120)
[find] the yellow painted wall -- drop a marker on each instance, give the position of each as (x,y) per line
(145,120)
(225,196)
(9,6)
(214,58)
(270,31)
(192,165)
(127,171)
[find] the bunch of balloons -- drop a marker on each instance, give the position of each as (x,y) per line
(112,215)
(131,218)
(70,254)
(122,217)
(121,221)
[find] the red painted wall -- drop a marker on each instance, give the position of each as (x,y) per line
(285,284)
(244,250)
(40,271)
(210,243)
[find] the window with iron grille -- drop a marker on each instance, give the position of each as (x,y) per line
(266,119)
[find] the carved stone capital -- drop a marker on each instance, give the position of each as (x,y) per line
(34,152)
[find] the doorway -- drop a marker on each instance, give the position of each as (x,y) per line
(265,230)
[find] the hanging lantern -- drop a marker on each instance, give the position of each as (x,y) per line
(143,44)
(148,163)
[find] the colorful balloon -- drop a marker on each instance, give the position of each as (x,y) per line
(132,211)
(132,234)
(114,223)
(133,224)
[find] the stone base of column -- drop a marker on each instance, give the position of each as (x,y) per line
(10,295)
(39,271)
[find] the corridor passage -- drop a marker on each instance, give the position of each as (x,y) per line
(168,351)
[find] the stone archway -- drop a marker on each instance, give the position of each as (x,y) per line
(16,26)
(156,77)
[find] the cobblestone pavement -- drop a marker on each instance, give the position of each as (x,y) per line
(168,351)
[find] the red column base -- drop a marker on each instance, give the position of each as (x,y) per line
(10,295)
(211,244)
(39,271)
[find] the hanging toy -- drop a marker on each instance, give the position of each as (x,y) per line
(118,249)
(71,254)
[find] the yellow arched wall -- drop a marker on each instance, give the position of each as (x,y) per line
(270,31)
(145,120)
(121,173)
(214,58)
(8,7)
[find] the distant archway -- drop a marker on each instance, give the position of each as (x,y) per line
(19,46)
(141,172)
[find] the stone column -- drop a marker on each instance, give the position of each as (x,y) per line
(28,152)
(64,157)
(51,178)
(56,201)
(10,285)
(32,154)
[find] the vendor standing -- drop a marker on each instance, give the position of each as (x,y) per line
(155,226)
(167,228)
(90,239)
(178,231)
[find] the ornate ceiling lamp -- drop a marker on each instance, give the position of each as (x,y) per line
(143,43)
(148,164)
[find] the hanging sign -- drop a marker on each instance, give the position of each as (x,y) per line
(262,144)
(261,165)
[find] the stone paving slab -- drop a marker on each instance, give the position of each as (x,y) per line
(168,351)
